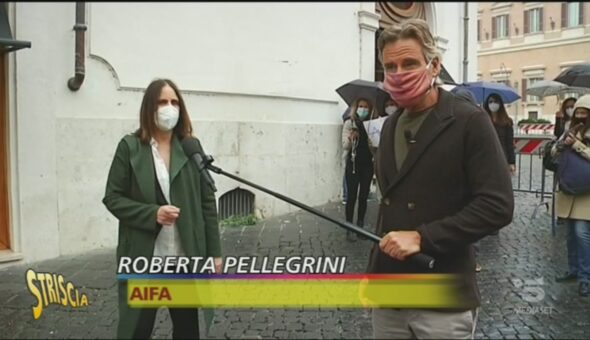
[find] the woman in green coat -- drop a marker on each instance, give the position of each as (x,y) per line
(164,207)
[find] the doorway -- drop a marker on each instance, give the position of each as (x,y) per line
(4,206)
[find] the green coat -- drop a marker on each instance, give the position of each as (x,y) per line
(131,197)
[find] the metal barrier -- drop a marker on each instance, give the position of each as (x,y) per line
(530,147)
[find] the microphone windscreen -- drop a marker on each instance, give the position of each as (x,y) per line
(408,135)
(191,146)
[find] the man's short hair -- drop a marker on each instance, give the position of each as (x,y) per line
(416,29)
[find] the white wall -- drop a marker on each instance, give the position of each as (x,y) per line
(40,75)
(448,25)
(258,79)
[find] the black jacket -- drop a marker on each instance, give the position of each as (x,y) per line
(363,157)
(453,188)
(506,137)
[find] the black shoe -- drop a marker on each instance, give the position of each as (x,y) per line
(566,277)
(584,289)
(360,224)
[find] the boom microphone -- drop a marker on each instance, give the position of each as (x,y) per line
(193,150)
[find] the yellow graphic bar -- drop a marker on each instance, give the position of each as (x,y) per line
(432,292)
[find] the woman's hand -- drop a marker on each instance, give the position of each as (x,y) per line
(218,265)
(167,214)
(569,139)
(512,169)
(354,135)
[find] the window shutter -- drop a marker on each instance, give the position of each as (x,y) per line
(494,32)
(507,25)
(478,30)
(564,14)
(526,22)
(524,84)
(581,9)
(541,19)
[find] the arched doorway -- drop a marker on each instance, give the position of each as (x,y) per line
(7,44)
(395,13)
(4,217)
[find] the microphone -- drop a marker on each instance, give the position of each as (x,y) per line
(193,150)
(409,138)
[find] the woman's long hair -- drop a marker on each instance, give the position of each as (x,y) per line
(566,118)
(149,108)
(503,119)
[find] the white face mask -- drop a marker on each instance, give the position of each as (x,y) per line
(390,109)
(494,107)
(167,118)
(569,111)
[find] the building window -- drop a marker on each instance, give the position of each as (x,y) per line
(478,30)
(533,115)
(500,28)
(572,14)
(530,82)
(503,81)
(533,20)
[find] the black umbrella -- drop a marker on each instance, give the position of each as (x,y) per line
(371,90)
(578,75)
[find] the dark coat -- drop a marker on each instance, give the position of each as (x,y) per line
(506,138)
(453,188)
(559,128)
(363,157)
(131,196)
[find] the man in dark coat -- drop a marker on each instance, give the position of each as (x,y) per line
(444,184)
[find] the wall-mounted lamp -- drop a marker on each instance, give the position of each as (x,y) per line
(515,29)
(552,23)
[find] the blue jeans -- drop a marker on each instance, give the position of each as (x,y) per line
(578,248)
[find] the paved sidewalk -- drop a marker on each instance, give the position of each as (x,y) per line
(520,299)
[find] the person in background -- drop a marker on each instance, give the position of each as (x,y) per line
(391,107)
(345,117)
(359,161)
(467,95)
(564,116)
(575,209)
(494,106)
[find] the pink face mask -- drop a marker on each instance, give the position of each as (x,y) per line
(407,88)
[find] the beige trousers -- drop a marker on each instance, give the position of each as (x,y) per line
(423,324)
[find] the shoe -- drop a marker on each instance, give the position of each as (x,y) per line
(566,277)
(584,289)
(343,202)
(477,268)
(495,232)
(361,225)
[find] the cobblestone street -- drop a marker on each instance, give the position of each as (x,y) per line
(520,299)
